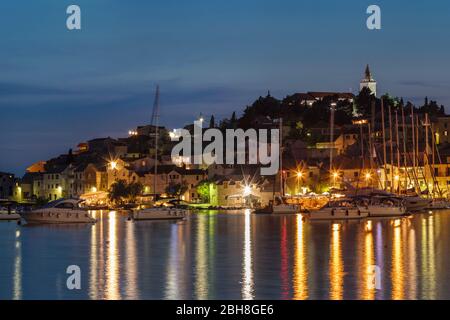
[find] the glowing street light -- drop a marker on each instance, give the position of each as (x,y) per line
(113,165)
(299,176)
(368,176)
(247,191)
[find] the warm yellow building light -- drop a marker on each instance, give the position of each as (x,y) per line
(397,177)
(299,174)
(368,176)
(247,191)
(113,165)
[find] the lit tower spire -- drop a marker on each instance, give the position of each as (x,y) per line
(368,82)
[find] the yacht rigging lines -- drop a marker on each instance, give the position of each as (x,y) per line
(157,213)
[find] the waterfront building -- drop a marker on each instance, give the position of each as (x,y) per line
(441,127)
(169,176)
(7,185)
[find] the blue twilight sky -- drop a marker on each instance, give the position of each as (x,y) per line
(60,87)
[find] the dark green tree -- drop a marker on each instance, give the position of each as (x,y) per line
(118,192)
(177,190)
(134,190)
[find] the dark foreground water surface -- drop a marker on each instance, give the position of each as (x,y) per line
(216,255)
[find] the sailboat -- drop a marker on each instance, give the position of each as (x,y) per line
(158,213)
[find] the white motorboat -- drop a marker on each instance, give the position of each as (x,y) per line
(342,209)
(59,211)
(381,206)
(8,214)
(160,213)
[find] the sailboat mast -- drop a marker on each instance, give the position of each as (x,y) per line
(281,157)
(391,151)
(331,140)
(418,156)
(397,140)
(155,123)
(405,161)
(413,137)
(384,142)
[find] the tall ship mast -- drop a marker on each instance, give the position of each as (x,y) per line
(155,124)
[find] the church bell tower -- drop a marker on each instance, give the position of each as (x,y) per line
(368,82)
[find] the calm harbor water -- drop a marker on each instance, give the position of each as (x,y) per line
(219,255)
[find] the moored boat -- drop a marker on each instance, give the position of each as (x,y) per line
(342,209)
(59,211)
(160,213)
(416,203)
(281,207)
(438,204)
(7,214)
(382,206)
(278,206)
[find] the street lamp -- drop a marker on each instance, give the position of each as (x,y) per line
(335,176)
(299,176)
(247,191)
(113,165)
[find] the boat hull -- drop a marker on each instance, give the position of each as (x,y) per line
(57,216)
(9,217)
(383,211)
(439,205)
(415,204)
(337,214)
(285,209)
(159,214)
